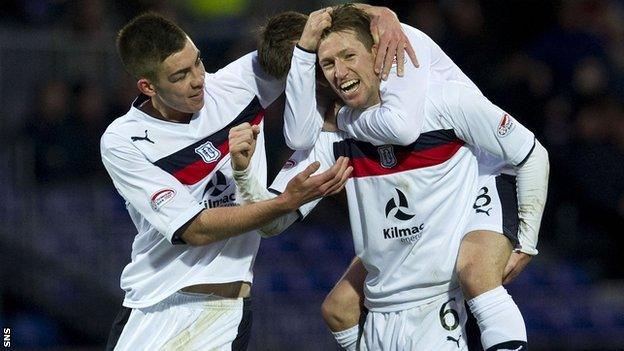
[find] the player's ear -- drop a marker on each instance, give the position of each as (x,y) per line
(146,87)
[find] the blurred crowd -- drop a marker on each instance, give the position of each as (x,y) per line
(555,65)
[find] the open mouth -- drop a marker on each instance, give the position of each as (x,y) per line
(196,96)
(350,86)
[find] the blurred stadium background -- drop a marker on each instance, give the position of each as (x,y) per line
(556,65)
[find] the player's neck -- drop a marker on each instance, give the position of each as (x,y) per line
(157,109)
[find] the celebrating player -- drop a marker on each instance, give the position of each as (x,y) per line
(168,158)
(470,265)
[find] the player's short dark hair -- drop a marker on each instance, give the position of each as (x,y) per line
(277,39)
(146,41)
(348,17)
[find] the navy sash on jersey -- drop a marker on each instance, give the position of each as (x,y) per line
(188,166)
(430,149)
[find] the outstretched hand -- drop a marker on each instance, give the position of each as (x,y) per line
(305,187)
(242,144)
(391,42)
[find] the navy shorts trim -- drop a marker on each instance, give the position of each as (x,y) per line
(506,187)
(241,341)
(118,325)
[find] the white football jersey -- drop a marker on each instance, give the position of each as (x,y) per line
(303,118)
(409,205)
(168,172)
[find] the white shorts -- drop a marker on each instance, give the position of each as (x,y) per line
(496,207)
(186,321)
(438,325)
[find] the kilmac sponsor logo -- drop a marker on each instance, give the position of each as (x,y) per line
(217,185)
(506,125)
(220,192)
(405,234)
(161,197)
(398,207)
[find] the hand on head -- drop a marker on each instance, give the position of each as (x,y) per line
(317,22)
(391,42)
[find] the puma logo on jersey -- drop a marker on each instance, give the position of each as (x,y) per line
(487,212)
(146,138)
(450,338)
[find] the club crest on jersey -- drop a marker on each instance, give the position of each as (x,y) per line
(506,125)
(161,197)
(208,152)
(386,156)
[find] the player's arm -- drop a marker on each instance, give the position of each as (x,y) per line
(481,123)
(531,188)
(178,216)
(303,119)
(246,75)
(242,140)
(400,116)
(220,223)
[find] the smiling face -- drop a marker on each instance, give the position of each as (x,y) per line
(179,87)
(349,68)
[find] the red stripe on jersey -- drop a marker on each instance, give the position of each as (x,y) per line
(406,160)
(199,169)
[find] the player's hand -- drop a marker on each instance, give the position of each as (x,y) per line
(305,187)
(516,263)
(391,42)
(317,22)
(242,143)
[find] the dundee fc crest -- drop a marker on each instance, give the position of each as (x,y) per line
(386,156)
(208,152)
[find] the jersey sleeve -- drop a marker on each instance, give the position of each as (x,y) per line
(484,125)
(155,194)
(299,160)
(400,116)
(247,70)
(303,119)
